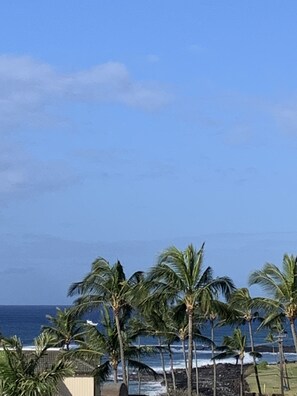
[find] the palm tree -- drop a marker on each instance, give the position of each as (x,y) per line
(23,374)
(148,320)
(102,349)
(234,346)
(179,326)
(65,327)
(91,350)
(281,286)
(179,275)
(241,303)
(179,323)
(151,321)
(182,333)
(107,285)
(109,340)
(216,312)
(162,327)
(275,323)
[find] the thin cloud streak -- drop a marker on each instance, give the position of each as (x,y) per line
(28,86)
(22,175)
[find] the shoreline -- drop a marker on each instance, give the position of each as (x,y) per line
(228,379)
(272,349)
(228,375)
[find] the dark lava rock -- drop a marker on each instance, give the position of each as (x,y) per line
(228,380)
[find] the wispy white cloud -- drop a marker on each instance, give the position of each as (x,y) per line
(30,91)
(27,86)
(22,175)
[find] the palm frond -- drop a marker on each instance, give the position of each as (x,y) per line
(143,368)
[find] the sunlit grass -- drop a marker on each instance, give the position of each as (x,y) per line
(270,379)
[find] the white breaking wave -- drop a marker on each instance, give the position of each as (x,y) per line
(180,364)
(150,388)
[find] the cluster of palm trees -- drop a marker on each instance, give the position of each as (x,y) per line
(23,374)
(171,302)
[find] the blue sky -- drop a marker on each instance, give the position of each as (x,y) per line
(130,126)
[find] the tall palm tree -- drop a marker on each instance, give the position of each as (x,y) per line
(108,338)
(162,327)
(180,324)
(65,327)
(216,312)
(92,350)
(275,323)
(180,328)
(180,276)
(276,326)
(132,351)
(234,346)
(107,285)
(241,304)
(102,349)
(151,321)
(182,333)
(281,286)
(23,374)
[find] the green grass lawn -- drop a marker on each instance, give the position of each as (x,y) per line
(270,379)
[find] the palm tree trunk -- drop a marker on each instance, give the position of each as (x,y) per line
(172,368)
(184,354)
(241,378)
(116,315)
(115,375)
(281,363)
(214,361)
(254,357)
(163,364)
(138,372)
(190,350)
(97,382)
(196,369)
(293,330)
(287,382)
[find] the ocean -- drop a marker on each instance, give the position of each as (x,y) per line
(26,322)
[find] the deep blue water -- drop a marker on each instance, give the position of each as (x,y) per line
(26,321)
